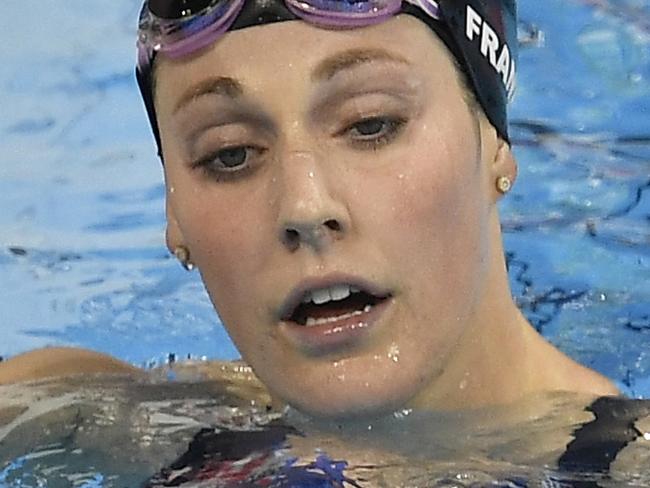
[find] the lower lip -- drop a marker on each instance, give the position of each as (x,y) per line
(335,336)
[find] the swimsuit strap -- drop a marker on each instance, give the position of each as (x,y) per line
(597,443)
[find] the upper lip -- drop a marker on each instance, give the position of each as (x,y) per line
(295,296)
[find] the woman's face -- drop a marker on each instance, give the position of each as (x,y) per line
(304,165)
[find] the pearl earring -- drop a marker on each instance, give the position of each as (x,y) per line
(504,184)
(182,253)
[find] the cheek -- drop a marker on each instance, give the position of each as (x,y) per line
(228,236)
(438,192)
(433,220)
(229,252)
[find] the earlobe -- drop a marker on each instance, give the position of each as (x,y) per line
(503,170)
(173,234)
(175,241)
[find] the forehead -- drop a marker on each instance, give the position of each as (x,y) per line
(261,53)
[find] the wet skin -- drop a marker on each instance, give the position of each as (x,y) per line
(298,158)
(344,157)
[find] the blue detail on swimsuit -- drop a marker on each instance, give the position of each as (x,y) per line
(257,471)
(250,459)
(261,458)
(323,473)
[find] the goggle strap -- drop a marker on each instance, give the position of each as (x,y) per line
(431,7)
(145,83)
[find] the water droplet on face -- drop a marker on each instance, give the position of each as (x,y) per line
(393,353)
(311,175)
(172,190)
(400,176)
(400,414)
(341,377)
(462,385)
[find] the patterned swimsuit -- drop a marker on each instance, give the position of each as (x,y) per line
(260,458)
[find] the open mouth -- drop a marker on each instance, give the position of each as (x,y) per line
(332,304)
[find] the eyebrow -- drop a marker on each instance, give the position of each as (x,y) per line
(325,70)
(220,85)
(352,58)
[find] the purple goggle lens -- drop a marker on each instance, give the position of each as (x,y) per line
(344,13)
(177,37)
(182,30)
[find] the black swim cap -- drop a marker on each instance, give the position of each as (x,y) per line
(481,34)
(485,32)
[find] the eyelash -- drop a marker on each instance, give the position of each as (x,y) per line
(392,127)
(210,168)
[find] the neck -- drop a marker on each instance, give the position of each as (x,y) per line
(492,363)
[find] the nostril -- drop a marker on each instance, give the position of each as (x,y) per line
(295,235)
(333,225)
(291,237)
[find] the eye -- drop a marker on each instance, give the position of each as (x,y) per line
(374,132)
(229,161)
(370,127)
(232,157)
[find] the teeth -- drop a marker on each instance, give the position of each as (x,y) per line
(321,296)
(324,295)
(340,292)
(311,321)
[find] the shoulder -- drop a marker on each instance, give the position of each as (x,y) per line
(236,376)
(553,370)
(581,379)
(60,362)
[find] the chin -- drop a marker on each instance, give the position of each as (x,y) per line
(347,400)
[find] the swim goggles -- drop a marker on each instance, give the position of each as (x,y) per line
(178,28)
(477,32)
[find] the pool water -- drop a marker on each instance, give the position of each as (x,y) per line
(578,222)
(82,256)
(120,433)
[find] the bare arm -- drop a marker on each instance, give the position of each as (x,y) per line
(58,362)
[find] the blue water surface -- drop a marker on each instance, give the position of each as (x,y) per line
(82,255)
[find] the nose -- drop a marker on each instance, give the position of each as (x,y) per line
(311,212)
